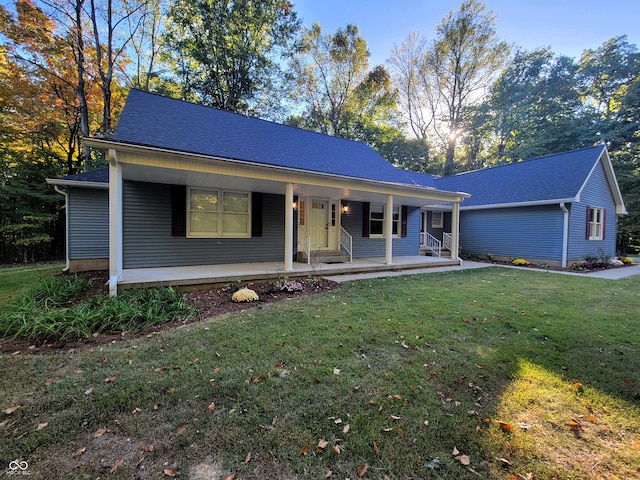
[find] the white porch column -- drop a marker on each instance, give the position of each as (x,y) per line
(388,230)
(455,230)
(288,228)
(115,222)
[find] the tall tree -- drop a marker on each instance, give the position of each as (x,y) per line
(455,69)
(535,108)
(338,92)
(227,52)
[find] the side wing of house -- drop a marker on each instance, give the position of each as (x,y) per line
(88,228)
(534,233)
(593,219)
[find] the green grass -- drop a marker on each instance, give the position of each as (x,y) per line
(14,282)
(415,366)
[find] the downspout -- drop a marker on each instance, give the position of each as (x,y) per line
(565,235)
(66,224)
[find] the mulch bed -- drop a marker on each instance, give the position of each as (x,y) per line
(209,301)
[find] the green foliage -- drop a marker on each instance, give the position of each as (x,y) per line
(226,53)
(338,92)
(50,312)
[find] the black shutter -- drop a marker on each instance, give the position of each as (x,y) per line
(405,214)
(588,230)
(365,218)
(256,214)
(178,210)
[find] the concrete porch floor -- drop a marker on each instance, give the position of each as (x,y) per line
(216,274)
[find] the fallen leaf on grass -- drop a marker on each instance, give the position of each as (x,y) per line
(110,379)
(464,460)
(574,424)
(181,430)
(116,465)
(336,371)
(88,391)
(455,451)
(524,426)
(99,432)
(505,426)
(328,475)
(362,471)
(50,380)
(231,477)
(42,425)
(336,449)
(375,449)
(212,407)
(323,444)
(170,472)
(79,453)
(305,449)
(10,410)
(247,459)
(592,419)
(346,428)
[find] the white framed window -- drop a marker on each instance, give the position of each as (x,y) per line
(218,213)
(376,220)
(596,223)
(437,220)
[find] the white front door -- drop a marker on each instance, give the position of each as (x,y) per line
(319,228)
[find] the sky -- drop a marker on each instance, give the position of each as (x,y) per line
(567,26)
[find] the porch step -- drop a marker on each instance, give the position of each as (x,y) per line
(324,256)
(445,252)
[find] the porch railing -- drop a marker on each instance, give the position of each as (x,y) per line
(429,242)
(447,241)
(346,242)
(305,243)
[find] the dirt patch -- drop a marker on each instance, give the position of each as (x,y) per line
(209,301)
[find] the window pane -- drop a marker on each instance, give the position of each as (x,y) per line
(203,200)
(236,202)
(377,211)
(204,222)
(234,223)
(376,227)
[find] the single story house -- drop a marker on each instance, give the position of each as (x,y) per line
(189,185)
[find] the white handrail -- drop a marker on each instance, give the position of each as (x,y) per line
(447,241)
(346,242)
(430,242)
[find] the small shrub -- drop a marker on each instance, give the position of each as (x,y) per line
(520,262)
(292,287)
(244,295)
(627,260)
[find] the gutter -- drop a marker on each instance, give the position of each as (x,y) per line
(66,224)
(565,235)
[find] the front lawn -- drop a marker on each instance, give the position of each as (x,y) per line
(489,373)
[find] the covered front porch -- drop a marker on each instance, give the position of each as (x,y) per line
(263,271)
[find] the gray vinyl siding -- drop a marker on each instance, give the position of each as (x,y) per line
(527,232)
(596,193)
(88,223)
(148,241)
(376,247)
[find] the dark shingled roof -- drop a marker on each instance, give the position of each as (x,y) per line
(555,177)
(155,121)
(99,175)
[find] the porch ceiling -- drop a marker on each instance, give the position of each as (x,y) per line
(145,173)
